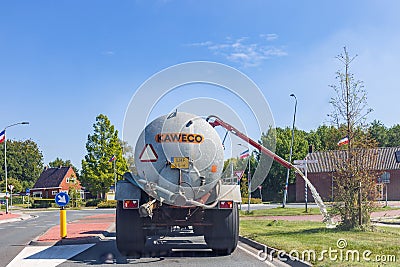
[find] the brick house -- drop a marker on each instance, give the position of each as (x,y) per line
(322,173)
(55,180)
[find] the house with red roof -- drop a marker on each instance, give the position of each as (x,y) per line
(322,173)
(55,180)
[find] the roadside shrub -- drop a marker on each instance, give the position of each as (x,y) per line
(42,203)
(107,204)
(252,201)
(92,202)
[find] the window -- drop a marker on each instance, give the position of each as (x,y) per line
(67,180)
(37,194)
(54,192)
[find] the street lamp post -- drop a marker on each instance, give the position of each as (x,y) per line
(5,158)
(290,154)
(248,182)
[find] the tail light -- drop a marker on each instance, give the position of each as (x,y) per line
(226,204)
(131,203)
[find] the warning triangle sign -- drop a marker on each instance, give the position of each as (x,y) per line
(238,174)
(148,154)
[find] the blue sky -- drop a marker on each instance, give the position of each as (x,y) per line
(64,62)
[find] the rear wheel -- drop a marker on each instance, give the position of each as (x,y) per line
(222,237)
(130,237)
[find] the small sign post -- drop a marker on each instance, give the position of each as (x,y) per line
(11,188)
(28,193)
(62,200)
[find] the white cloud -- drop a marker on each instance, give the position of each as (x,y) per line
(108,53)
(244,50)
(269,36)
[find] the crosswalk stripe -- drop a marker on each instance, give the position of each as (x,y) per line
(47,256)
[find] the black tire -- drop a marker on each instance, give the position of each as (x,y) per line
(130,236)
(222,237)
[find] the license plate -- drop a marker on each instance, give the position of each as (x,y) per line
(180,163)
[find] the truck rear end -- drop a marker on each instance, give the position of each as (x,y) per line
(179,160)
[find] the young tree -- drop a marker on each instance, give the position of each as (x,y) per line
(355,178)
(97,169)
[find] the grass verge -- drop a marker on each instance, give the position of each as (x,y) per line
(279,211)
(303,236)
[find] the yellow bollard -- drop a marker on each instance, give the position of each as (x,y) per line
(63,222)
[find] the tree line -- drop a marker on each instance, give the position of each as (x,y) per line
(25,160)
(324,138)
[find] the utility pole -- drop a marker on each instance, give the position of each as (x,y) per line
(290,154)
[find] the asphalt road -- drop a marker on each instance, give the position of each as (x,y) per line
(182,250)
(176,251)
(16,235)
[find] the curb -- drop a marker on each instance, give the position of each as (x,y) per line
(76,241)
(21,218)
(386,222)
(284,257)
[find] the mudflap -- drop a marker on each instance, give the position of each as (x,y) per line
(130,236)
(222,237)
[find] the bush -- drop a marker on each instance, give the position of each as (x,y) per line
(43,203)
(92,202)
(107,204)
(252,201)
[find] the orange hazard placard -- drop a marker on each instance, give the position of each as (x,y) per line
(148,154)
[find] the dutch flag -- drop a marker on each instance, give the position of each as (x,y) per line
(112,158)
(2,136)
(244,154)
(343,141)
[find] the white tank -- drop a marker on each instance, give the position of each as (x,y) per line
(179,158)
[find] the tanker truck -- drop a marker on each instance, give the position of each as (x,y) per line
(179,160)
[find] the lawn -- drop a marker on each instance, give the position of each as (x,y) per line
(281,212)
(303,236)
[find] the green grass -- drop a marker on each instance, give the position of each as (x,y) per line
(303,235)
(279,211)
(385,208)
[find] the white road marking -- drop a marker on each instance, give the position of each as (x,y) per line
(254,255)
(47,256)
(20,227)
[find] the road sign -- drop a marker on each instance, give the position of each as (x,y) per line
(27,191)
(62,199)
(305,161)
(238,174)
(179,163)
(11,187)
(300,166)
(148,154)
(385,178)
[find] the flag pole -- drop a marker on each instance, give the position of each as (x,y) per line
(115,179)
(5,167)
